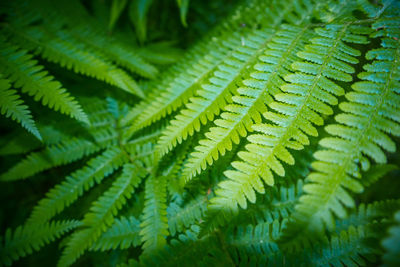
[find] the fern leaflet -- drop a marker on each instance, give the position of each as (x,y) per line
(123,234)
(154,225)
(12,106)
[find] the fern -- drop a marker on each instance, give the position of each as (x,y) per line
(25,239)
(271,142)
(101,214)
(182,82)
(154,225)
(391,244)
(28,76)
(180,218)
(68,191)
(123,234)
(12,106)
(62,153)
(298,107)
(249,101)
(213,96)
(370,114)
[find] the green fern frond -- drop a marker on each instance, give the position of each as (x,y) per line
(278,204)
(177,89)
(185,79)
(28,238)
(102,213)
(138,14)
(340,249)
(68,191)
(62,153)
(309,93)
(392,244)
(213,96)
(117,51)
(19,143)
(12,106)
(180,251)
(123,234)
(183,9)
(257,245)
(160,53)
(366,214)
(180,218)
(61,47)
(362,132)
(250,100)
(154,221)
(259,239)
(376,172)
(18,66)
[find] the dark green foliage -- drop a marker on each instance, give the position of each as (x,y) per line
(270,142)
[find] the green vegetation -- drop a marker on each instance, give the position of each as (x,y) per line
(188,133)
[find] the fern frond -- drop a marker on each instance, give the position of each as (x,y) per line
(19,143)
(257,245)
(392,244)
(340,249)
(68,191)
(259,240)
(277,204)
(203,59)
(180,218)
(20,68)
(28,238)
(376,172)
(250,100)
(123,234)
(102,213)
(117,51)
(362,131)
(306,97)
(213,96)
(154,222)
(177,89)
(181,250)
(11,105)
(62,153)
(367,214)
(62,48)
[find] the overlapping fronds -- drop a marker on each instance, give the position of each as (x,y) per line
(250,99)
(305,97)
(76,184)
(102,213)
(123,234)
(26,239)
(184,79)
(271,142)
(362,133)
(212,96)
(26,74)
(59,154)
(180,218)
